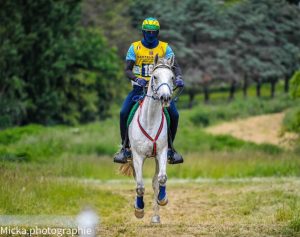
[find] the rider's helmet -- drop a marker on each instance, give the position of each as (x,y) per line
(150,28)
(150,24)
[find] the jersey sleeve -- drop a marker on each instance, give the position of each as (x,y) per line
(169,52)
(130,54)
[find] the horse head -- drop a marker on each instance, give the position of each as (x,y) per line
(162,79)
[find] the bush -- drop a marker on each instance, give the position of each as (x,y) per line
(51,70)
(13,135)
(291,120)
(295,85)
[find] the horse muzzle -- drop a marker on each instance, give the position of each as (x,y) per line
(165,100)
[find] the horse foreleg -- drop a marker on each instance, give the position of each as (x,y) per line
(140,189)
(155,186)
(162,198)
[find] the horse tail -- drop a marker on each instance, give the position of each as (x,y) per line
(127,169)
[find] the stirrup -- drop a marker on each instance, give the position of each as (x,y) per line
(174,157)
(123,156)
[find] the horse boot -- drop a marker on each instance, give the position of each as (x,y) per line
(124,154)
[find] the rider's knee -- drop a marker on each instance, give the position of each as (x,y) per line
(175,115)
(123,113)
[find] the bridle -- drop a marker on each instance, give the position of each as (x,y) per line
(154,96)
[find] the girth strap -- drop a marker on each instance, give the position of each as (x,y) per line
(146,134)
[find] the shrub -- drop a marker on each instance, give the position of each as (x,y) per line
(295,85)
(291,120)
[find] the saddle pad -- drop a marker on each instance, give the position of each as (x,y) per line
(136,106)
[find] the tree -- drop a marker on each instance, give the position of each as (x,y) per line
(238,43)
(12,105)
(114,21)
(55,71)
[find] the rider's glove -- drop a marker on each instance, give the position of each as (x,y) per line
(179,82)
(141,81)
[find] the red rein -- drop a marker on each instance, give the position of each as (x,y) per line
(158,132)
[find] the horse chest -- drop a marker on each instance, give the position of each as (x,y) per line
(144,145)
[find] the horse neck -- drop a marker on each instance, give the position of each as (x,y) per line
(151,111)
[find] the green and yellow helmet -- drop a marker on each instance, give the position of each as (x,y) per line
(150,23)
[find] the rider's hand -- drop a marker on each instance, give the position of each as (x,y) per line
(179,82)
(141,81)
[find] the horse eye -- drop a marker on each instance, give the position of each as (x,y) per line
(154,77)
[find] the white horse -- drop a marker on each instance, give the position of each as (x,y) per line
(148,135)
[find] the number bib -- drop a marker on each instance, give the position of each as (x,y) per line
(145,58)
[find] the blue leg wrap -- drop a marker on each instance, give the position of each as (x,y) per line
(162,192)
(139,202)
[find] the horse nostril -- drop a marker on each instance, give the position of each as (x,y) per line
(165,98)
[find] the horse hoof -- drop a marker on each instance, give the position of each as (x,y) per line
(163,202)
(155,219)
(139,213)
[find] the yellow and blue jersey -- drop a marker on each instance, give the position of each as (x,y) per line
(144,57)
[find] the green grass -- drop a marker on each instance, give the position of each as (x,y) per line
(41,169)
(205,115)
(87,150)
(237,164)
(31,194)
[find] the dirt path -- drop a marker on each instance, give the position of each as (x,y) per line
(213,208)
(258,129)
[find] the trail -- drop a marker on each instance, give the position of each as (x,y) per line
(209,208)
(258,129)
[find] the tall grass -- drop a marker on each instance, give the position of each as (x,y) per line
(87,150)
(207,115)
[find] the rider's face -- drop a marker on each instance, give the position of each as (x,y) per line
(151,35)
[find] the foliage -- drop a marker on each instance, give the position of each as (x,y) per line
(291,120)
(52,70)
(218,43)
(113,20)
(295,83)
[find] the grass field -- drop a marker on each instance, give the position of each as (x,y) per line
(226,187)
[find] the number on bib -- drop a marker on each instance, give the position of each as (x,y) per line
(147,70)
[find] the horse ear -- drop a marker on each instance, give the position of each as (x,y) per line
(156,59)
(171,61)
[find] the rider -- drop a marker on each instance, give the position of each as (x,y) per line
(139,62)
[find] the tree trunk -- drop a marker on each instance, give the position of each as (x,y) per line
(232,91)
(206,94)
(286,84)
(258,86)
(273,85)
(245,87)
(191,101)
